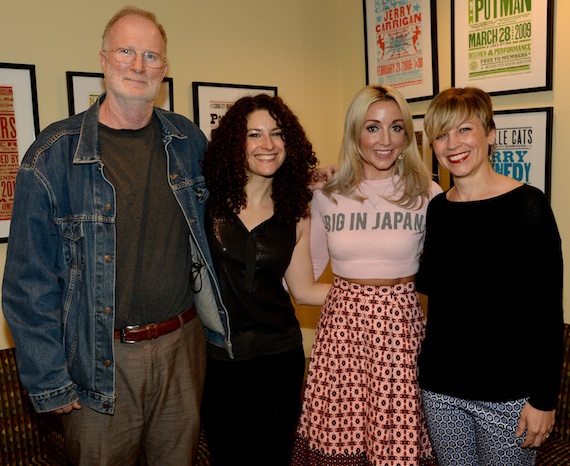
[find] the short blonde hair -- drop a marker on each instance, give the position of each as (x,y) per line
(453,106)
(415,179)
(133,11)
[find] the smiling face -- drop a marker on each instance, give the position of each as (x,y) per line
(464,149)
(135,81)
(264,144)
(382,139)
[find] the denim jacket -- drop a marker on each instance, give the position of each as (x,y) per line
(58,293)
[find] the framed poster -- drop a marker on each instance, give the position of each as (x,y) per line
(502,47)
(212,100)
(401,46)
(523,146)
(440,175)
(422,140)
(19,126)
(83,89)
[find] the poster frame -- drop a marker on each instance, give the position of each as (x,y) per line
(428,59)
(22,79)
(223,95)
(540,121)
(540,25)
(439,174)
(83,88)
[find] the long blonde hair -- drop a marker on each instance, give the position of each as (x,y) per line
(414,177)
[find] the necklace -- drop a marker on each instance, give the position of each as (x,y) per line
(379,196)
(375,204)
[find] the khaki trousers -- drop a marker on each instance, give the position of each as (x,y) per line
(156,422)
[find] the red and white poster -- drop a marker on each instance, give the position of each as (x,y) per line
(19,125)
(8,151)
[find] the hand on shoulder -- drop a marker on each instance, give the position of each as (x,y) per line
(321,176)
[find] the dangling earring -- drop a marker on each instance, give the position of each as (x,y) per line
(400,165)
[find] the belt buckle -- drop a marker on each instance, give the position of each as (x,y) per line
(124,334)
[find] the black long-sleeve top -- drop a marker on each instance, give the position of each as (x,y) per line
(492,270)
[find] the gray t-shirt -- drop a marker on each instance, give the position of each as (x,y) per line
(153,260)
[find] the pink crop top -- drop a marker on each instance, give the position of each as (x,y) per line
(369,239)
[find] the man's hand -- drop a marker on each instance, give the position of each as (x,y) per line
(538,425)
(67,409)
(321,176)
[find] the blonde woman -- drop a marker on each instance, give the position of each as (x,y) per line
(490,363)
(362,401)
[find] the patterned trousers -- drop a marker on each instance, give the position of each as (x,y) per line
(475,433)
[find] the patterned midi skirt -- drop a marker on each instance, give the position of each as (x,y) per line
(362,403)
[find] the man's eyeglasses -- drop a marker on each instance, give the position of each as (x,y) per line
(128,57)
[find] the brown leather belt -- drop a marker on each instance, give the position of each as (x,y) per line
(134,333)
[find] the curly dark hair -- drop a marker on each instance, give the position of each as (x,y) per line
(225,165)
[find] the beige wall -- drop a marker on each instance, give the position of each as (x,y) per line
(313,51)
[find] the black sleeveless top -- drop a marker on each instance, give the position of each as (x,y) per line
(250,266)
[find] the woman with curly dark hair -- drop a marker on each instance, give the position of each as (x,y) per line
(257,169)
